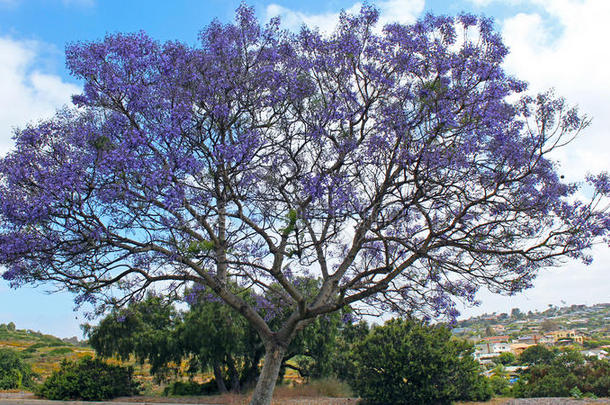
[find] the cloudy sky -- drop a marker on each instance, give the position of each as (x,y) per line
(554,43)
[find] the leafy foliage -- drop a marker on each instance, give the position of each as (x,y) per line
(15,373)
(190,388)
(405,362)
(89,380)
(211,337)
(144,330)
(537,354)
(506,359)
(566,373)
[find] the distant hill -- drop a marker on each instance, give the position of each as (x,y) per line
(44,352)
(593,322)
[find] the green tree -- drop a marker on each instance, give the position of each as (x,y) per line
(407,362)
(516,313)
(506,359)
(211,337)
(14,371)
(350,335)
(537,354)
(214,336)
(144,329)
(566,373)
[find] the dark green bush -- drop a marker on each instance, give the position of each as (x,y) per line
(565,372)
(406,362)
(500,385)
(191,388)
(14,372)
(60,351)
(89,380)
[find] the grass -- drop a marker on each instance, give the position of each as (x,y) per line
(318,392)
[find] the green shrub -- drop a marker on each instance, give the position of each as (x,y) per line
(405,362)
(191,388)
(500,385)
(33,348)
(60,351)
(14,372)
(89,380)
(566,374)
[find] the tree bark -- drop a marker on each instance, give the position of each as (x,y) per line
(266,381)
(220,383)
(233,374)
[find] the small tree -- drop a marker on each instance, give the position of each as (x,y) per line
(537,354)
(15,373)
(405,362)
(144,329)
(505,359)
(398,167)
(568,373)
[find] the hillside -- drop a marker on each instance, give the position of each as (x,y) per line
(592,322)
(43,352)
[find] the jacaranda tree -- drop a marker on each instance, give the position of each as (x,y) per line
(398,166)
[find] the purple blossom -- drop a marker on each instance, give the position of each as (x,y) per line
(414,176)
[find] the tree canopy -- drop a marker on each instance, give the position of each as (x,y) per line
(401,167)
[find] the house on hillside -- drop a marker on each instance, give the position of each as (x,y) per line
(485,352)
(599,353)
(496,339)
(517,347)
(566,335)
(530,339)
(499,328)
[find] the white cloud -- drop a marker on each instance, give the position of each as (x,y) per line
(561,44)
(573,283)
(403,11)
(574,62)
(28,93)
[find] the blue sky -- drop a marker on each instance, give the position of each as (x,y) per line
(554,43)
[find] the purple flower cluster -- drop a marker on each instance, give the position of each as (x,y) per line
(385,166)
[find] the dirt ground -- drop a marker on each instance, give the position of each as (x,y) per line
(540,401)
(281,398)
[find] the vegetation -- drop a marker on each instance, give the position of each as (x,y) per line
(89,380)
(210,337)
(406,362)
(41,352)
(563,373)
(15,373)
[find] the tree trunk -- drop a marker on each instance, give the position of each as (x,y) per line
(220,383)
(266,381)
(233,374)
